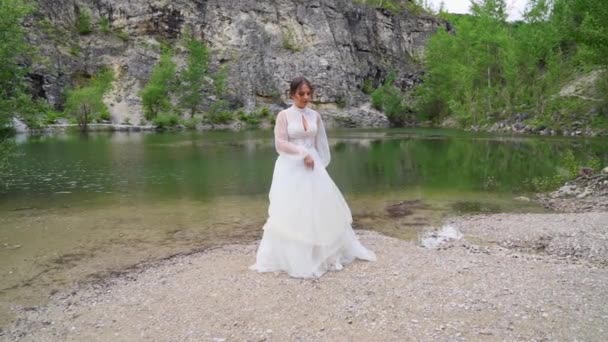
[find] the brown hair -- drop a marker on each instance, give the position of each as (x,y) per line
(297,82)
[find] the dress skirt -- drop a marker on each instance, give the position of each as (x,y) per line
(308,230)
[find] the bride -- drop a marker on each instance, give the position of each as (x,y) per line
(308,230)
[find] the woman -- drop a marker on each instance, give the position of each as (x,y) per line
(308,230)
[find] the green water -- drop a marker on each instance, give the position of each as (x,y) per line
(78,207)
(202,166)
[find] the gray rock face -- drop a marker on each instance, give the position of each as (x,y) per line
(583,194)
(19,126)
(338,45)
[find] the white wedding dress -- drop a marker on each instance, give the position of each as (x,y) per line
(308,230)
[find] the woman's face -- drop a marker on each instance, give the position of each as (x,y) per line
(302,96)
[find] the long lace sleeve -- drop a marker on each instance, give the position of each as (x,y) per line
(281,138)
(321,143)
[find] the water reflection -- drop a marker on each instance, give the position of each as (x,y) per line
(204,165)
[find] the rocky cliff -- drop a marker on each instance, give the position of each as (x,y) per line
(339,45)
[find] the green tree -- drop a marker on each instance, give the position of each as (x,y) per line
(13,48)
(593,32)
(193,77)
(496,9)
(156,94)
(86,103)
(83,104)
(489,69)
(539,62)
(584,26)
(448,87)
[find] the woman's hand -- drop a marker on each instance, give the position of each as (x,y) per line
(309,162)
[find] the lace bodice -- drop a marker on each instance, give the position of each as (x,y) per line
(291,138)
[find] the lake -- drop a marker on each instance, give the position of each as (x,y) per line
(79,207)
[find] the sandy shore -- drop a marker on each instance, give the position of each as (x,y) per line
(512,277)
